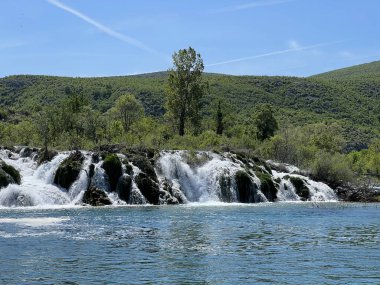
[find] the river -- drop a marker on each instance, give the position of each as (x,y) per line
(212,243)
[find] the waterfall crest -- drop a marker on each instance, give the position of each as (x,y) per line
(181,177)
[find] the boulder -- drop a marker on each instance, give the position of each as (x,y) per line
(124,187)
(28,152)
(170,195)
(301,189)
(267,186)
(113,169)
(45,156)
(246,189)
(356,193)
(225,189)
(69,170)
(96,197)
(8,175)
(148,187)
(244,186)
(145,165)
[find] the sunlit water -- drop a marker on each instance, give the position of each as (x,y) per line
(281,243)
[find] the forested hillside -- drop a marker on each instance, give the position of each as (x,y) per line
(349,96)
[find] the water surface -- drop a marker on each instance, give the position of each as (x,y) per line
(270,243)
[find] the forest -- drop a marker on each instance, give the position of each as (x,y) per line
(326,124)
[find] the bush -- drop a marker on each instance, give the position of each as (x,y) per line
(334,169)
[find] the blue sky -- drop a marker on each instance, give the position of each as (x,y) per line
(252,37)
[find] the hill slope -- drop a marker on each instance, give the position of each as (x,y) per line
(362,71)
(349,96)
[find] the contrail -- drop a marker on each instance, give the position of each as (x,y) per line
(251,5)
(103,28)
(271,54)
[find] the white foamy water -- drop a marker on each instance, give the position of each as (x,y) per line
(202,177)
(35,222)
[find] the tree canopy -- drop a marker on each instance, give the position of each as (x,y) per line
(186,88)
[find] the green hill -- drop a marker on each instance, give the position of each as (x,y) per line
(362,71)
(349,96)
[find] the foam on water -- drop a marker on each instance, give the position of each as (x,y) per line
(35,222)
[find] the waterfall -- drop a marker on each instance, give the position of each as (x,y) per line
(200,177)
(36,187)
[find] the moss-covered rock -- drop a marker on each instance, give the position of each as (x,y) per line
(149,188)
(145,165)
(11,171)
(46,155)
(113,168)
(28,152)
(169,195)
(267,186)
(128,167)
(244,184)
(301,189)
(124,187)
(69,170)
(225,189)
(96,197)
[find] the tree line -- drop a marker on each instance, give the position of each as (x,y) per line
(72,123)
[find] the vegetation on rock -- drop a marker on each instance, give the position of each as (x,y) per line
(68,171)
(267,186)
(301,189)
(113,168)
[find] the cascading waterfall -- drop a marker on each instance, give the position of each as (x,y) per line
(200,182)
(37,187)
(192,176)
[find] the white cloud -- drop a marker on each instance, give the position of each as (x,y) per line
(273,53)
(293,44)
(251,5)
(103,28)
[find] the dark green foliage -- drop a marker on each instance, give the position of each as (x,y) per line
(352,101)
(149,188)
(265,123)
(10,170)
(69,170)
(301,189)
(244,186)
(95,197)
(267,186)
(185,89)
(219,120)
(113,169)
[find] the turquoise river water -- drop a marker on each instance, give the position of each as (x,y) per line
(269,243)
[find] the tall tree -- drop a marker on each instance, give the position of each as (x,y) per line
(265,122)
(128,110)
(186,88)
(45,124)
